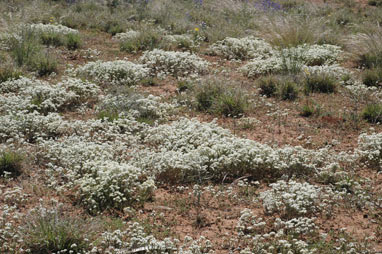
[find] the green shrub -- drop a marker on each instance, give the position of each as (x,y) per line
(44,64)
(7,73)
(309,109)
(48,231)
(113,27)
(216,98)
(372,77)
(184,85)
(26,48)
(268,85)
(146,40)
(108,115)
(320,83)
(206,94)
(73,41)
(373,113)
(10,164)
(289,91)
(51,39)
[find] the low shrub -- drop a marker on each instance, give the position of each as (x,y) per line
(320,83)
(10,163)
(49,231)
(373,113)
(268,85)
(44,64)
(288,91)
(8,73)
(144,40)
(372,77)
(218,98)
(73,41)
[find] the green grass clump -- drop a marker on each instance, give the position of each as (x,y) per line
(373,113)
(289,91)
(268,86)
(146,40)
(44,64)
(221,99)
(8,73)
(10,164)
(51,232)
(73,41)
(372,77)
(320,83)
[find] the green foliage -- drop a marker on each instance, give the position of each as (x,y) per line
(268,85)
(373,113)
(289,91)
(371,59)
(372,77)
(108,115)
(320,83)
(7,73)
(51,39)
(73,41)
(113,27)
(10,163)
(44,64)
(221,99)
(310,109)
(146,40)
(51,232)
(24,49)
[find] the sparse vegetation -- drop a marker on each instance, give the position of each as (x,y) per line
(190,127)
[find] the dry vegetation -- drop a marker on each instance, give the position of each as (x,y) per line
(190,126)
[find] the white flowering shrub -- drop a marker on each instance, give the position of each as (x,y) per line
(178,64)
(137,106)
(296,226)
(333,70)
(13,86)
(28,127)
(250,224)
(312,55)
(259,66)
(180,41)
(109,184)
(43,97)
(53,29)
(119,72)
(243,48)
(312,58)
(188,150)
(291,199)
(370,149)
(128,35)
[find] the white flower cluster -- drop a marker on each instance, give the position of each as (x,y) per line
(250,224)
(303,57)
(370,149)
(313,55)
(128,35)
(43,97)
(54,29)
(135,240)
(292,199)
(119,72)
(177,64)
(13,86)
(190,149)
(296,226)
(242,49)
(137,106)
(110,184)
(22,126)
